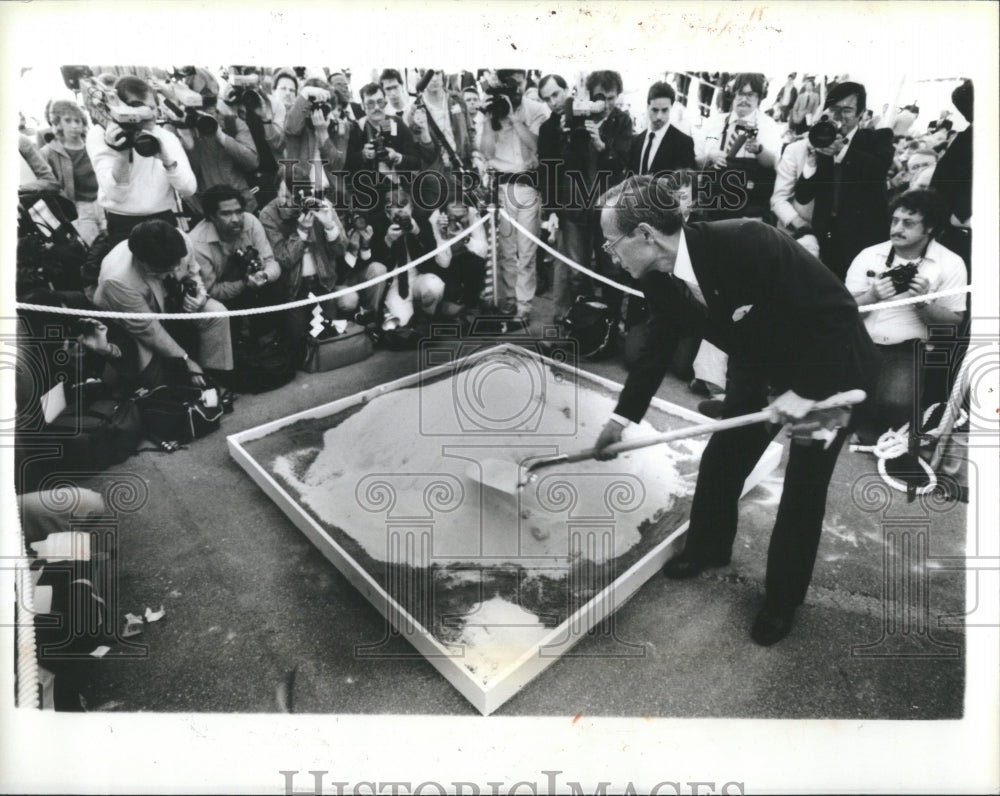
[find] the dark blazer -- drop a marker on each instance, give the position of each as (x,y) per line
(953,175)
(676,152)
(802,331)
(862,214)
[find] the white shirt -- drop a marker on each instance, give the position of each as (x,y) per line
(942,268)
(150,187)
(768,135)
(654,146)
(684,271)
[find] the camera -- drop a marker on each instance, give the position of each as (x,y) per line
(308,198)
(357,222)
(250,258)
(502,99)
(245,90)
(131,119)
(823,133)
(319,99)
(403,221)
(190,108)
(578,111)
(189,286)
(901,276)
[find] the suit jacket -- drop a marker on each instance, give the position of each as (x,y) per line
(676,152)
(953,175)
(784,319)
(862,212)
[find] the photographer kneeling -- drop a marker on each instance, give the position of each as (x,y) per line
(462,267)
(911,263)
(155,271)
(317,256)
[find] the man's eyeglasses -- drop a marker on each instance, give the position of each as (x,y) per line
(372,103)
(609,245)
(747,94)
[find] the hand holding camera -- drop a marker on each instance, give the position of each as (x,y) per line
(919,286)
(884,289)
(194,294)
(325,215)
(392,157)
(717,159)
(594,129)
(368,151)
(306,219)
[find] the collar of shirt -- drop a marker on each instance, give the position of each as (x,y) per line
(658,134)
(684,271)
(847,143)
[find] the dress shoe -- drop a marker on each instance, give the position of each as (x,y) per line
(771,625)
(683,566)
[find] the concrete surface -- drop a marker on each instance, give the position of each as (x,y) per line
(257,620)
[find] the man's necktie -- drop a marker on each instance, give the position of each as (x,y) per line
(644,169)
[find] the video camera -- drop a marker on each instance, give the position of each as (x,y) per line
(901,276)
(245,89)
(502,99)
(191,109)
(578,111)
(131,120)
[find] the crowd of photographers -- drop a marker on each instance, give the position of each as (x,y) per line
(194,191)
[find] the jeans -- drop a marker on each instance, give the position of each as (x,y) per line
(515,252)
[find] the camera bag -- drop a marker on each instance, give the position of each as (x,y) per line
(177,413)
(589,322)
(335,351)
(94,432)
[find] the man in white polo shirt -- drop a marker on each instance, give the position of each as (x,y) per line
(922,266)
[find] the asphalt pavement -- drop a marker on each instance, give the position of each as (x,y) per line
(257,620)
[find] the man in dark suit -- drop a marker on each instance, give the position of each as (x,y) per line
(953,178)
(789,327)
(662,147)
(848,181)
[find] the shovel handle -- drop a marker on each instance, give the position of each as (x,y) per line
(848,398)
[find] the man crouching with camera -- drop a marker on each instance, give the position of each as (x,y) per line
(155,271)
(911,263)
(318,256)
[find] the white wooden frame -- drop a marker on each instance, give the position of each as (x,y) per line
(521,671)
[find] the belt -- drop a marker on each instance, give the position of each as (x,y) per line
(504,177)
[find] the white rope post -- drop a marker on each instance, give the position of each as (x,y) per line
(951,412)
(493,252)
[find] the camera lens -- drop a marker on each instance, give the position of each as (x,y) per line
(146,144)
(823,133)
(206,124)
(251,100)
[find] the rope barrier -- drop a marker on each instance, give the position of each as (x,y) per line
(258,310)
(884,305)
(490,217)
(572,264)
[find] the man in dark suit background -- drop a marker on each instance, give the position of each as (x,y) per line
(662,147)
(789,327)
(848,181)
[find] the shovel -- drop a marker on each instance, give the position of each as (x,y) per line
(496,474)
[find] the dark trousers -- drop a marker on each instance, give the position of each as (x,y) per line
(120,226)
(727,461)
(464,279)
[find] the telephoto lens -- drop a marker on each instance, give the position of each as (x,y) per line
(823,133)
